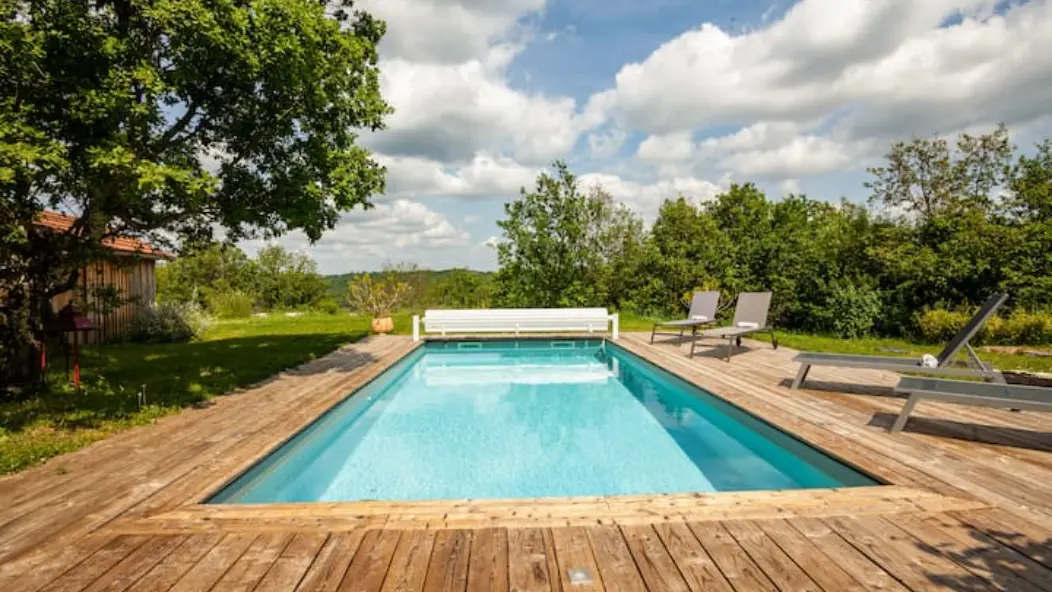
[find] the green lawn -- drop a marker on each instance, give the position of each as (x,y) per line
(871,345)
(232,354)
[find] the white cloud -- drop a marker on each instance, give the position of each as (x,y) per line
(449,112)
(673,147)
(801,156)
(483,176)
(401,230)
(605,145)
(447,31)
(888,64)
(645,198)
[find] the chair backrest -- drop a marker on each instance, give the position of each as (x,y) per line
(965,335)
(752,307)
(704,304)
(514,320)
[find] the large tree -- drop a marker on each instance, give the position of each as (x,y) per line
(167,119)
(565,247)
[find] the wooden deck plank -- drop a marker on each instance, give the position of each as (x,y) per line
(913,563)
(329,566)
(488,567)
(97,564)
(409,565)
(655,564)
(448,569)
(287,571)
(130,569)
(698,569)
(617,567)
(210,569)
(256,561)
(574,551)
(170,569)
(1004,568)
(368,569)
(843,554)
(528,569)
(734,563)
(818,566)
(779,567)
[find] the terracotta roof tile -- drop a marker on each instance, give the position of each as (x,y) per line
(124,244)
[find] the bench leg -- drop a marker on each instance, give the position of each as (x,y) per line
(905,415)
(801,375)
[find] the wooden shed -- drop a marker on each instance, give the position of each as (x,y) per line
(131,273)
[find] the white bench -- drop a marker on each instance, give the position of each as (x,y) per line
(516,320)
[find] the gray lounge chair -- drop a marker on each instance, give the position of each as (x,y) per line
(750,316)
(978,367)
(702,312)
(962,392)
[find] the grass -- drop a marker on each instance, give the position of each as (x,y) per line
(171,376)
(871,345)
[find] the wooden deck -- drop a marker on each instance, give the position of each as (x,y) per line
(968,505)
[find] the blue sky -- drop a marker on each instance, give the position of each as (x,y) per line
(654,99)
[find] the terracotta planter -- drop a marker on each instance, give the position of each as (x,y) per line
(383,325)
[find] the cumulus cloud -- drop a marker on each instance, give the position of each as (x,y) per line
(447,31)
(484,176)
(363,239)
(890,64)
(645,197)
(605,145)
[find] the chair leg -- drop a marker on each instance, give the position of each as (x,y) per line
(801,375)
(652,333)
(730,349)
(905,415)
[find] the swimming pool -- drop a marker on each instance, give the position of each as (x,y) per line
(513,419)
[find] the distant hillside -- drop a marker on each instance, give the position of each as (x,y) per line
(338,283)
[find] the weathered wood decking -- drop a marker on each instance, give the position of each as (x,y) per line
(968,507)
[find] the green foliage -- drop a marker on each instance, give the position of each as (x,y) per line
(936,239)
(565,248)
(378,297)
(230,304)
(940,325)
(462,289)
(223,276)
(169,322)
(1018,328)
(328,306)
(168,119)
(853,310)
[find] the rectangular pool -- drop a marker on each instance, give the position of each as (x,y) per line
(512,419)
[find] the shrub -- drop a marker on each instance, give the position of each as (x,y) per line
(940,325)
(378,297)
(1023,328)
(230,304)
(853,310)
(327,306)
(169,322)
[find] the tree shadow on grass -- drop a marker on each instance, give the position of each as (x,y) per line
(973,432)
(995,560)
(174,375)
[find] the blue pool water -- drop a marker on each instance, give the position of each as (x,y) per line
(531,419)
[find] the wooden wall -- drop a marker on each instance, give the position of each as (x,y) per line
(134,279)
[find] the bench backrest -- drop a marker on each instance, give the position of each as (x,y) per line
(513,320)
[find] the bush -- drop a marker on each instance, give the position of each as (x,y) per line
(328,306)
(231,304)
(940,325)
(853,310)
(169,322)
(1021,328)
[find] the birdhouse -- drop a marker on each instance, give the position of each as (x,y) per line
(70,320)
